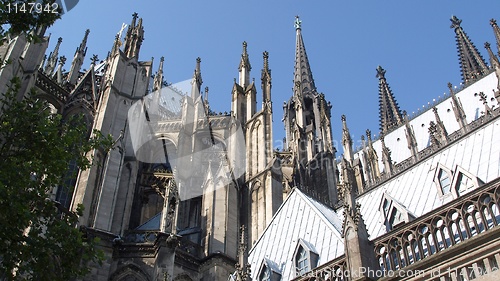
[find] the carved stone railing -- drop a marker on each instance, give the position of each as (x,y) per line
(335,270)
(191,248)
(443,228)
(141,236)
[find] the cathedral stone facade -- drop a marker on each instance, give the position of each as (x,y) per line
(188,194)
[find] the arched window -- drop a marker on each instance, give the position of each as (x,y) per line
(395,214)
(442,179)
(265,274)
(305,258)
(302,261)
(269,271)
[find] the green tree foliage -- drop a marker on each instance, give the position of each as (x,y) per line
(39,239)
(17,16)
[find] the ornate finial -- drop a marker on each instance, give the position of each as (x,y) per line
(265,55)
(298,22)
(342,118)
(59,40)
(245,47)
(405,113)
(135,16)
(493,22)
(455,22)
(162,59)
(380,72)
(62,60)
(483,97)
(87,32)
(450,86)
(198,60)
(487,45)
(368,133)
(94,59)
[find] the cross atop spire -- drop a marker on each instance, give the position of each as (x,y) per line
(303,79)
(472,63)
(297,22)
(389,112)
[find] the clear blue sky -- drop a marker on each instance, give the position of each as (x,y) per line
(345,42)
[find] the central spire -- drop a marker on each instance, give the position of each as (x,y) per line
(303,79)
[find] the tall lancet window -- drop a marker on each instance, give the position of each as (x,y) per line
(265,274)
(443,178)
(305,258)
(302,261)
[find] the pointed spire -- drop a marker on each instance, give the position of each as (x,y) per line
(496,31)
(372,157)
(158,80)
(389,112)
(458,110)
(197,81)
(58,75)
(495,64)
(386,157)
(134,37)
(242,266)
(359,251)
(52,60)
(116,45)
(303,79)
(266,83)
(346,141)
(205,100)
(244,68)
(410,137)
(77,62)
(472,63)
(441,133)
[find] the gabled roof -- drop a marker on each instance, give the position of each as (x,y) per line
(299,217)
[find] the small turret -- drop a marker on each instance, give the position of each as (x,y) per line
(134,37)
(458,110)
(496,31)
(410,138)
(77,62)
(52,60)
(244,68)
(196,81)
(158,80)
(346,141)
